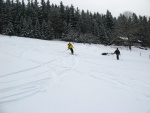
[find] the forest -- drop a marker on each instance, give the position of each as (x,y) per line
(49,21)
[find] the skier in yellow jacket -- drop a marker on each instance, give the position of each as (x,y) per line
(70,46)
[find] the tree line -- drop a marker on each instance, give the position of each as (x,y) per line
(50,21)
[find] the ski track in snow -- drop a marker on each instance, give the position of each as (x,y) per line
(128,83)
(49,72)
(30,87)
(26,82)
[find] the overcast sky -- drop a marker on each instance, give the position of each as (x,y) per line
(140,7)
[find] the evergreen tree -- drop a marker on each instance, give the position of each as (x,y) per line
(37,32)
(83,22)
(65,30)
(149,32)
(42,14)
(43,30)
(8,30)
(62,11)
(30,30)
(72,17)
(109,25)
(144,30)
(26,28)
(124,26)
(61,19)
(49,21)
(17,12)
(67,15)
(49,31)
(24,32)
(1,15)
(135,25)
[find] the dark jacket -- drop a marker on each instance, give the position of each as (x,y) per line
(117,52)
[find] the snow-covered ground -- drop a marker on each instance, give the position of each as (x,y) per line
(38,76)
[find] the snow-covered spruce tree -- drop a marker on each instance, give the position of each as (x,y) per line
(8,29)
(124,26)
(55,22)
(78,23)
(65,30)
(62,14)
(149,32)
(30,31)
(41,13)
(24,28)
(94,32)
(49,33)
(17,9)
(89,22)
(61,18)
(101,33)
(83,22)
(43,30)
(135,23)
(1,6)
(48,7)
(72,17)
(1,15)
(73,25)
(109,25)
(37,30)
(144,31)
(16,23)
(77,20)
(67,13)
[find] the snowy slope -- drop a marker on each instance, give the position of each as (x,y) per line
(38,76)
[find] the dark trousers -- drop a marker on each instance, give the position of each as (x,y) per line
(71,50)
(117,56)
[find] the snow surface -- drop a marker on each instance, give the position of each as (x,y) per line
(38,76)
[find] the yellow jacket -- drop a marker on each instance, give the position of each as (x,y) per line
(70,46)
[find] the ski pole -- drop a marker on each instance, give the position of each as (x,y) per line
(64,51)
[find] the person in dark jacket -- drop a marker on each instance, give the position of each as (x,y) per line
(117,52)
